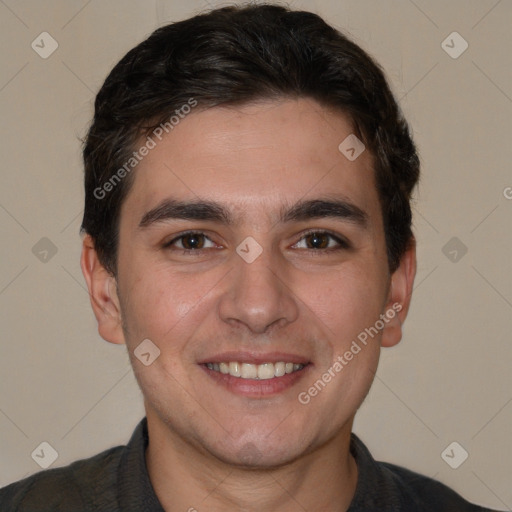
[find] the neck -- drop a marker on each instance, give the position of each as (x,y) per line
(186,477)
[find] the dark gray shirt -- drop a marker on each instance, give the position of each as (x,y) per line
(117,480)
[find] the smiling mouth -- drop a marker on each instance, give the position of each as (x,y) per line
(263,371)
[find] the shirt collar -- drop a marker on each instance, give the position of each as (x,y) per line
(135,492)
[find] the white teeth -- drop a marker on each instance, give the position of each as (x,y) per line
(263,371)
(279,369)
(234,369)
(249,371)
(266,371)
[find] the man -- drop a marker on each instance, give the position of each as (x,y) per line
(248,237)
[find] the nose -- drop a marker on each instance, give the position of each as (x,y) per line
(259,294)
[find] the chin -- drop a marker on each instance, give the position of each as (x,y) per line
(257,456)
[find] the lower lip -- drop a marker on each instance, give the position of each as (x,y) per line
(257,388)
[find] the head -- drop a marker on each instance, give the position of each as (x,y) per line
(229,124)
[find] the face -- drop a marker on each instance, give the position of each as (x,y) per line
(249,244)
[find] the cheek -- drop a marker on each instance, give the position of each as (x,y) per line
(159,302)
(349,301)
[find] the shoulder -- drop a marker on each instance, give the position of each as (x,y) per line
(426,493)
(86,484)
(391,488)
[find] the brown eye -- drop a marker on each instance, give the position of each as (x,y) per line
(192,241)
(317,240)
(321,240)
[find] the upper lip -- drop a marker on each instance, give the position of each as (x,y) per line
(255,358)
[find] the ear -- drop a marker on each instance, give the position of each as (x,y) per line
(399,297)
(103,293)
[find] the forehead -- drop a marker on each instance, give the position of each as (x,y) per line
(254,158)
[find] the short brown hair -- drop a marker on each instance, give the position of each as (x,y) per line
(235,55)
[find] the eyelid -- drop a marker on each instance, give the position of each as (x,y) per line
(183,234)
(343,243)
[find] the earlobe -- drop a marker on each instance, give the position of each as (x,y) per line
(399,298)
(103,293)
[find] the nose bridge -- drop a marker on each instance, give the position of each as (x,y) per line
(258,276)
(257,295)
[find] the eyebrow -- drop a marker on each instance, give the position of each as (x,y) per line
(186,210)
(204,210)
(325,208)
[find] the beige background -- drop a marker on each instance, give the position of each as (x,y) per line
(449,379)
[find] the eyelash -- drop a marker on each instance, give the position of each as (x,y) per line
(168,245)
(342,244)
